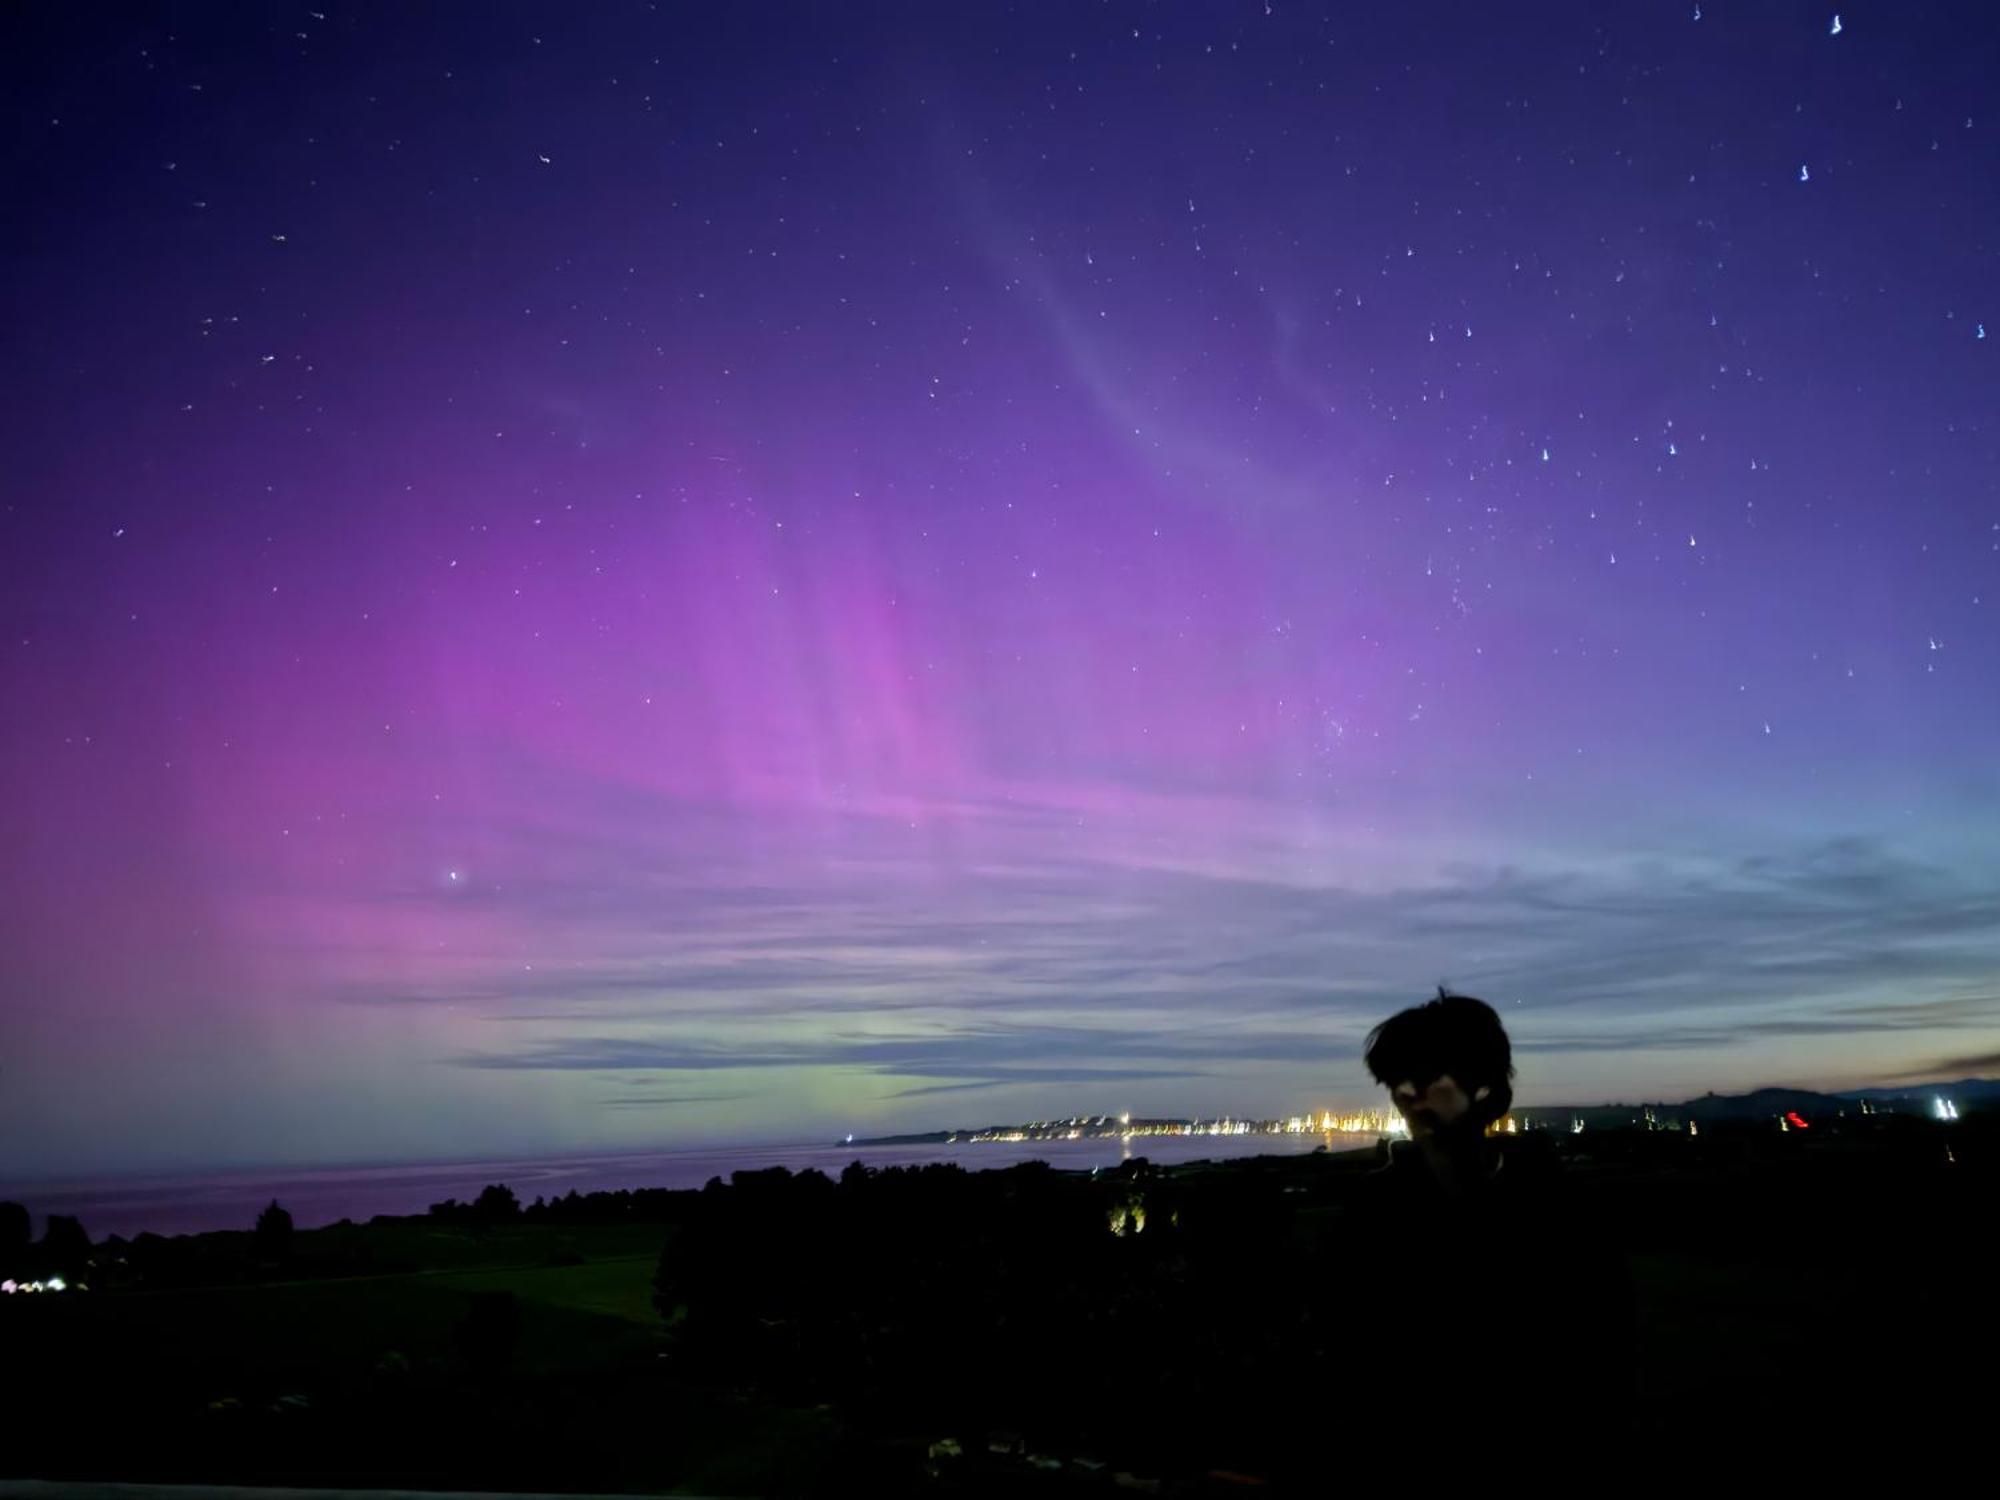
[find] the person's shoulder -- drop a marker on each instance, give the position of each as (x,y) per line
(1393,1173)
(1405,1158)
(1403,1172)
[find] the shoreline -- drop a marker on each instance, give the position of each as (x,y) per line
(200,1203)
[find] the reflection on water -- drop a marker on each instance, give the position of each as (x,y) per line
(195,1202)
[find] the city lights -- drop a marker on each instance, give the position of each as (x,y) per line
(51,1284)
(1368,1122)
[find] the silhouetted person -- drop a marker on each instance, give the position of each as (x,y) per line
(1504,1313)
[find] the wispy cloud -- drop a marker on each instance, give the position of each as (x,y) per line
(1963,1065)
(662,1101)
(1060,931)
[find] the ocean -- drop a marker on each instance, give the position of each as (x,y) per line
(193,1203)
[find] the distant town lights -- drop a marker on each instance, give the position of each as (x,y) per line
(1327,1123)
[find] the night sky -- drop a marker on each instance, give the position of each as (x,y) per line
(613,575)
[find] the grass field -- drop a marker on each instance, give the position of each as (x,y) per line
(620,1289)
(358,1380)
(429,1246)
(250,1341)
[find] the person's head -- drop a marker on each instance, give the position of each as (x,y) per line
(1447,1065)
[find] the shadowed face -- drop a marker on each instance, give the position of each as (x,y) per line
(1429,1106)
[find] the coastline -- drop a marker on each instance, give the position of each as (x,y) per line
(199,1203)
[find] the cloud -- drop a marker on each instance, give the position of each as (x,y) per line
(1023,1077)
(1964,1065)
(1966,1012)
(592,1055)
(655,1101)
(970,1057)
(849,944)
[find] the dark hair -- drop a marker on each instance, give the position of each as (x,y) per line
(1453,1034)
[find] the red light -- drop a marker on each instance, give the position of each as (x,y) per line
(1797,1124)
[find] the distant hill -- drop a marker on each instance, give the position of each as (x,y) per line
(1758,1104)
(1966,1090)
(919,1138)
(1761,1104)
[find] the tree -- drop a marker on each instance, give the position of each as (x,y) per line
(65,1246)
(15,1234)
(274,1233)
(496,1204)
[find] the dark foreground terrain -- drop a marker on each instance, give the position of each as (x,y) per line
(1808,1302)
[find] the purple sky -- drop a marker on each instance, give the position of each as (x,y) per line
(613,575)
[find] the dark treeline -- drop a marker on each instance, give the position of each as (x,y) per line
(271,1250)
(933,1330)
(1067,1311)
(497,1204)
(1217,1318)
(64,1250)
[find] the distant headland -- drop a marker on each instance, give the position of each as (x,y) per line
(1937,1100)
